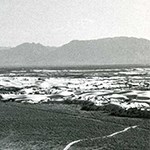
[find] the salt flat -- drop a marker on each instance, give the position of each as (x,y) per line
(115,86)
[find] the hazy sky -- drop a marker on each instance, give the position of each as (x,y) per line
(55,22)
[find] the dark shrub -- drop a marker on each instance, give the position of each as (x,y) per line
(90,106)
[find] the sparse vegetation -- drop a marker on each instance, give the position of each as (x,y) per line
(131,112)
(47,127)
(117,110)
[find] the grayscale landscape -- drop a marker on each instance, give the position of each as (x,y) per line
(74,75)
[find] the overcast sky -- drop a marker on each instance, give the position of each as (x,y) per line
(56,22)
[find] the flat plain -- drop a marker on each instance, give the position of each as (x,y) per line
(41,126)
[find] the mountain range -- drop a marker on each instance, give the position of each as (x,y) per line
(107,51)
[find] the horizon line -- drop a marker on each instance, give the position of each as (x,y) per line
(82,40)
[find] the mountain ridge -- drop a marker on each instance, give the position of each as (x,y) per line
(106,51)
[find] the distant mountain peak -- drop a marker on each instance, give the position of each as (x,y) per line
(106,51)
(74,41)
(30,45)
